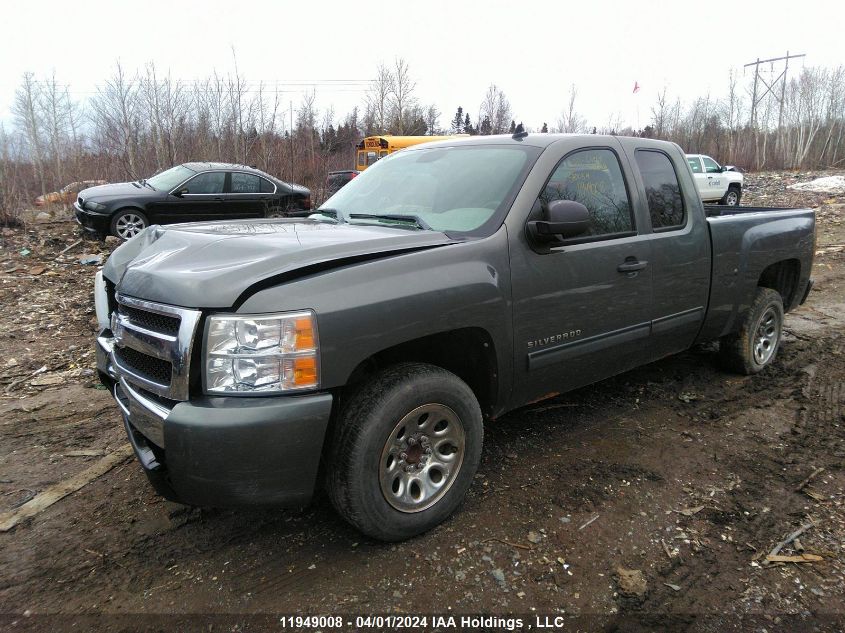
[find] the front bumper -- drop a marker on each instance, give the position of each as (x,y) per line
(223,451)
(92,222)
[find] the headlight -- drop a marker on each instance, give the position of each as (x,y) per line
(266,353)
(94,206)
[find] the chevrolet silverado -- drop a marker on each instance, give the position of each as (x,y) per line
(363,348)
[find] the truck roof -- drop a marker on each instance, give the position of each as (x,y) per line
(535,140)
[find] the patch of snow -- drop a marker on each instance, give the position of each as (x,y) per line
(828,184)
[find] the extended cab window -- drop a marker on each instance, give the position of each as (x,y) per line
(594,178)
(209,182)
(710,166)
(695,164)
(663,193)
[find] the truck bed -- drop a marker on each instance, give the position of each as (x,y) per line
(745,241)
(716,210)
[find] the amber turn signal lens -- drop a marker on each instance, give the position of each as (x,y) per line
(305,372)
(304,333)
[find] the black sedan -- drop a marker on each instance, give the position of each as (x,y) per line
(187,193)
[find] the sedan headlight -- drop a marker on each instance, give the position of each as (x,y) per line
(266,353)
(94,206)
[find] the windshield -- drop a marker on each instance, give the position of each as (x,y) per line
(166,180)
(463,189)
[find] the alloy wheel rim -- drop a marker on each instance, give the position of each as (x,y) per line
(129,225)
(731,198)
(766,336)
(422,458)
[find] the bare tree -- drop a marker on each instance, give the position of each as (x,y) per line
(401,98)
(377,101)
(570,122)
(432,118)
(27,119)
(165,105)
(660,115)
(236,91)
(116,112)
(266,108)
(496,109)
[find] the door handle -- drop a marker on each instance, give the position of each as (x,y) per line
(219,199)
(631,265)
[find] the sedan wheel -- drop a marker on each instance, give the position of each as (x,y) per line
(127,224)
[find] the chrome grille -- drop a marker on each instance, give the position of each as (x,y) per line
(151,320)
(152,345)
(152,368)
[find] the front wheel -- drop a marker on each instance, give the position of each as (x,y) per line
(405,450)
(127,223)
(755,345)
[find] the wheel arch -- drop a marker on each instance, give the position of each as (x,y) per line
(783,277)
(469,353)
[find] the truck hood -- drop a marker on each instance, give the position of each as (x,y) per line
(215,264)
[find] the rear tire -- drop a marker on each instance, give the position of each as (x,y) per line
(732,196)
(127,223)
(405,450)
(755,346)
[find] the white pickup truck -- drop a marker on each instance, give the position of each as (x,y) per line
(715,182)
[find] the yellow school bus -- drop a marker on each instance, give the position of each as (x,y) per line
(374,147)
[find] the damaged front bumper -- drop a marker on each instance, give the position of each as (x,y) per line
(221,451)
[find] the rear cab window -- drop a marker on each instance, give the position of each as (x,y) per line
(695,164)
(594,178)
(663,192)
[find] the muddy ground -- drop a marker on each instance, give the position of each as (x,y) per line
(678,471)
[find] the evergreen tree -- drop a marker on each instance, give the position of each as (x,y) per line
(544,129)
(468,129)
(458,121)
(513,127)
(486,127)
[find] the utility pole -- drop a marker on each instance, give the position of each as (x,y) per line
(770,90)
(290,142)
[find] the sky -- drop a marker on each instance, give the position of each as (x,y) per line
(534,51)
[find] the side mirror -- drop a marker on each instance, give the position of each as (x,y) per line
(567,218)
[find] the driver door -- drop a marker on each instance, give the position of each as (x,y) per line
(581,310)
(200,198)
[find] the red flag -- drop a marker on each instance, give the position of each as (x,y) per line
(636,87)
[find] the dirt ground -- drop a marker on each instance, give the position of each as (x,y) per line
(646,502)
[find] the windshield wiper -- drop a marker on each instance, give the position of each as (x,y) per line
(144,182)
(397,217)
(332,213)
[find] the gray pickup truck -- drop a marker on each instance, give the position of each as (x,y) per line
(363,348)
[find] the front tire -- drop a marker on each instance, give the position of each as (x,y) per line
(755,346)
(127,223)
(732,196)
(405,450)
